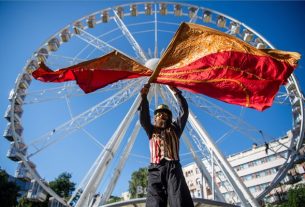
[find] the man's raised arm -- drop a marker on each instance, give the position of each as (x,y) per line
(144,111)
(184,110)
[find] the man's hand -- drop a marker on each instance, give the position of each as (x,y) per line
(145,89)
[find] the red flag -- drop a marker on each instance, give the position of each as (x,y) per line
(206,61)
(94,74)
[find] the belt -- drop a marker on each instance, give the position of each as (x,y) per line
(163,162)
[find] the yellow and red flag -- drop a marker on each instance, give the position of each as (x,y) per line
(198,59)
(96,73)
(210,62)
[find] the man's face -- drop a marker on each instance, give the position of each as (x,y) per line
(161,119)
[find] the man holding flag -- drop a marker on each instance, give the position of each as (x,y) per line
(200,60)
(166,181)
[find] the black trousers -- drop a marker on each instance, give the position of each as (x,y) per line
(166,183)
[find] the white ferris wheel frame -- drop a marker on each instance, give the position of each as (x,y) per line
(91,182)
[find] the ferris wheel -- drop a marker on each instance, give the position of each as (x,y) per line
(99,134)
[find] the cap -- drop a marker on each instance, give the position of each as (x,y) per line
(163,108)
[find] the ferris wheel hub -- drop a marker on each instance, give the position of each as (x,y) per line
(152,63)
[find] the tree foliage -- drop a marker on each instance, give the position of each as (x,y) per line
(8,190)
(296,197)
(63,185)
(113,199)
(138,178)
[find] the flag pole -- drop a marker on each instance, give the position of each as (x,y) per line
(165,54)
(154,75)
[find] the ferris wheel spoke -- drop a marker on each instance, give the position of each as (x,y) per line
(282,98)
(166,31)
(91,136)
(60,61)
(96,42)
(85,118)
(51,94)
(156,31)
(139,156)
(233,121)
(70,90)
(134,44)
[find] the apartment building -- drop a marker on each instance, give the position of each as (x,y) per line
(256,167)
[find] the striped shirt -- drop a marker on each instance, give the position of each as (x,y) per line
(164,143)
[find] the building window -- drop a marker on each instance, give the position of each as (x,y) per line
(209,192)
(252,189)
(197,171)
(190,183)
(198,181)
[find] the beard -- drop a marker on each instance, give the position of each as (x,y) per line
(161,123)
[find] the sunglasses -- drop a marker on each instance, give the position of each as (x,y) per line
(164,114)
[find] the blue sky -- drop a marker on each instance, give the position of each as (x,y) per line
(27,24)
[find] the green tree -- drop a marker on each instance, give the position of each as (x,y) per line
(8,191)
(113,199)
(63,185)
(296,196)
(138,178)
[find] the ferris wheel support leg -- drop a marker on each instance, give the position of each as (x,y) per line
(86,178)
(242,191)
(202,168)
(111,148)
(122,161)
(213,176)
(120,165)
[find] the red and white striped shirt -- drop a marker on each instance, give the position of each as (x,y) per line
(164,144)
